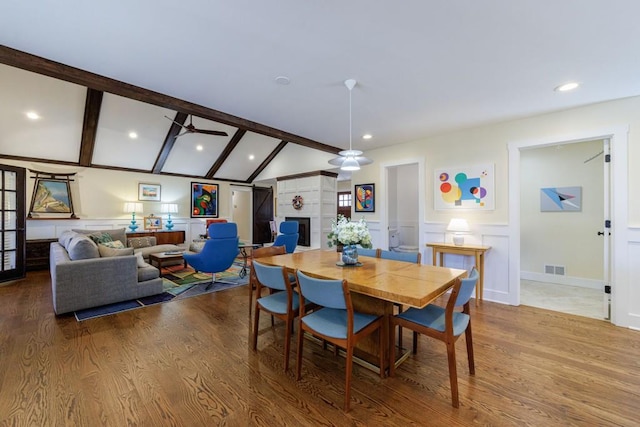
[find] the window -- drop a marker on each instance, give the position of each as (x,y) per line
(344,200)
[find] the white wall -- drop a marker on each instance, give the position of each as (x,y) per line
(567,239)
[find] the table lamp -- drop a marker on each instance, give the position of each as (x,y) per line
(169,208)
(132,208)
(458,226)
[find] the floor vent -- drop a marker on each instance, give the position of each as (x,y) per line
(554,269)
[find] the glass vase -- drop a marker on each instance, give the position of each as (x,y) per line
(350,255)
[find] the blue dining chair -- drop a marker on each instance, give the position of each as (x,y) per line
(374,253)
(334,320)
(444,324)
(288,236)
(282,303)
(219,250)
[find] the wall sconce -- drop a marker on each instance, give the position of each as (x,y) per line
(458,226)
(132,208)
(169,208)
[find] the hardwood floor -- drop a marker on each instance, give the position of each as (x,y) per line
(188,363)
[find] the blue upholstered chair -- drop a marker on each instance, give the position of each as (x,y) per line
(334,320)
(288,236)
(283,302)
(444,324)
(374,253)
(414,257)
(219,251)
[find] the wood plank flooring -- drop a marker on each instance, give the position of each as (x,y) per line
(188,363)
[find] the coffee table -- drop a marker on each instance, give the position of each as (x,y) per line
(162,257)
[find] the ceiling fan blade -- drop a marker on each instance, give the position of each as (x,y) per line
(211,132)
(179,124)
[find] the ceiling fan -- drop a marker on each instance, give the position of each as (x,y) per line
(190,128)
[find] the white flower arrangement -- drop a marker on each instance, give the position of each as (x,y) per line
(347,232)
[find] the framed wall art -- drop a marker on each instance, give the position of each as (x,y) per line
(51,196)
(152,223)
(464,188)
(149,192)
(365,200)
(561,199)
(204,200)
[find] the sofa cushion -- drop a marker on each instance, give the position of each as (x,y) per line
(115,233)
(155,249)
(82,247)
(106,251)
(66,237)
(141,242)
(140,259)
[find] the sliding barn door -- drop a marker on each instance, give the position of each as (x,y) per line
(12,231)
(262,214)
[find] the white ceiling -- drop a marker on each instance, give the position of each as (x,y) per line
(423,67)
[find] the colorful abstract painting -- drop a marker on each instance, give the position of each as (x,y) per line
(365,198)
(561,199)
(465,188)
(204,200)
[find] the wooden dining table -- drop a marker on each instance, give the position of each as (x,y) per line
(375,286)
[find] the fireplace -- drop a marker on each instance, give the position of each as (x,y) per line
(304,230)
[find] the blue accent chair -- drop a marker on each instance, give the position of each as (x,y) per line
(282,302)
(334,320)
(219,251)
(288,236)
(444,324)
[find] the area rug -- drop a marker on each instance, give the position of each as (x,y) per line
(178,283)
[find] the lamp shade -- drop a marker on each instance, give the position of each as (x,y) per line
(169,208)
(458,225)
(132,207)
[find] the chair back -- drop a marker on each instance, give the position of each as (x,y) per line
(288,237)
(323,292)
(414,257)
(263,252)
(272,277)
(222,230)
(222,248)
(375,253)
(466,287)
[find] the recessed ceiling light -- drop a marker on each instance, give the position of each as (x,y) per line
(367,136)
(251,157)
(133,135)
(32,115)
(567,87)
(283,80)
(199,147)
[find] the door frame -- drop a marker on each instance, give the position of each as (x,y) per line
(382,195)
(618,137)
(243,188)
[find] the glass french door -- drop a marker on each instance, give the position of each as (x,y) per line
(12,218)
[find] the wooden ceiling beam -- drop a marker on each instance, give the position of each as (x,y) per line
(92,107)
(169,140)
(266,161)
(36,64)
(235,139)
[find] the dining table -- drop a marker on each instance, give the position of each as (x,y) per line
(375,285)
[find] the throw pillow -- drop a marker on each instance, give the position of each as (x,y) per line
(116,244)
(140,259)
(100,237)
(106,251)
(139,242)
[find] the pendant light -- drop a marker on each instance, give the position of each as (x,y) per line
(350,160)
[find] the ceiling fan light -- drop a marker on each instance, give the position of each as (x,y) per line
(350,164)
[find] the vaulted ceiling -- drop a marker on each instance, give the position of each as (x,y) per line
(424,67)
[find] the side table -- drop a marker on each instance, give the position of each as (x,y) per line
(469,250)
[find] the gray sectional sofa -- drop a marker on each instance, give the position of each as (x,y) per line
(88,274)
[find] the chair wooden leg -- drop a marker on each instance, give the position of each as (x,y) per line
(453,374)
(256,320)
(382,352)
(348,369)
(287,342)
(299,355)
(415,342)
(469,340)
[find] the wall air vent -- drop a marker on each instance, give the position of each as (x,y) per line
(554,269)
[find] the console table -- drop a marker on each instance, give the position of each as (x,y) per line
(469,250)
(37,254)
(175,237)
